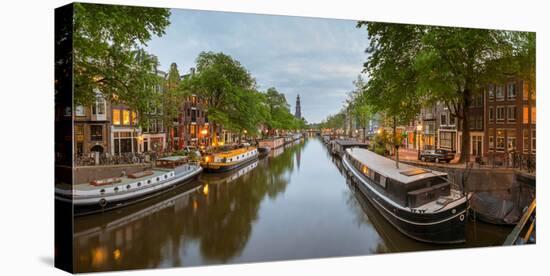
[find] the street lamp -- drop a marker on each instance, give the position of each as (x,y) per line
(419,130)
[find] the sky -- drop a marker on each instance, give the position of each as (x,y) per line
(315,58)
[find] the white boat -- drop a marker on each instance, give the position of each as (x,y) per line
(115,192)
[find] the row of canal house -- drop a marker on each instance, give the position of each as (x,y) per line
(107,127)
(502,120)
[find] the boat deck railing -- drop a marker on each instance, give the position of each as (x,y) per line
(525,229)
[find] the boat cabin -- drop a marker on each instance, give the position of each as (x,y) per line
(339,146)
(232,155)
(407,185)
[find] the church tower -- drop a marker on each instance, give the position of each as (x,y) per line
(298,113)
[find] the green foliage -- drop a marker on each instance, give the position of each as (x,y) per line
(108,53)
(412,65)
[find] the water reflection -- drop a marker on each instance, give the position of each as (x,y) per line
(294,204)
(214,215)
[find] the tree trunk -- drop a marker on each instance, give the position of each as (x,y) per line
(395,144)
(465,144)
(214,134)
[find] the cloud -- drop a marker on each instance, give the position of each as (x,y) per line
(316,58)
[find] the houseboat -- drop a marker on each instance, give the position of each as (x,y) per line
(228,160)
(420,203)
(339,146)
(106,194)
(272,143)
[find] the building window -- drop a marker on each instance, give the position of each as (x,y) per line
(491,91)
(500,140)
(443,119)
(79,111)
(116,116)
(153,125)
(491,114)
(511,140)
(491,142)
(125,117)
(500,114)
(500,92)
(446,140)
(511,114)
(99,107)
(533,141)
(124,142)
(160,126)
(525,140)
(79,133)
(96,133)
(533,115)
(525,114)
(512,91)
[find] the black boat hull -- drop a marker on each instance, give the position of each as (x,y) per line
(447,227)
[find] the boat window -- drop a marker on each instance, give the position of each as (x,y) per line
(139,184)
(149,181)
(158,178)
(116,189)
(128,187)
(376,177)
(102,191)
(383,181)
(165,176)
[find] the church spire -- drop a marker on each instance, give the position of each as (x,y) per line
(298,113)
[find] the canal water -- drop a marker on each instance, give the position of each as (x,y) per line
(294,204)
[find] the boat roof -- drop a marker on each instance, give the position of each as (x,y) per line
(347,142)
(386,167)
(172,158)
(234,152)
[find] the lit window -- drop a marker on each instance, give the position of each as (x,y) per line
(125,117)
(533,115)
(116,117)
(525,114)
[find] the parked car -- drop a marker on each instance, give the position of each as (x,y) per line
(436,155)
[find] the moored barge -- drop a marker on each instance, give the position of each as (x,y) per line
(339,146)
(111,193)
(419,203)
(228,160)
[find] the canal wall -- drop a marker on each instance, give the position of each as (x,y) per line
(88,173)
(504,183)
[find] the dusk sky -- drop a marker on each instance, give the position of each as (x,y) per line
(316,58)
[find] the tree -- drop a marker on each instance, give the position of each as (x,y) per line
(108,53)
(358,105)
(456,63)
(279,111)
(412,65)
(223,82)
(392,85)
(172,99)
